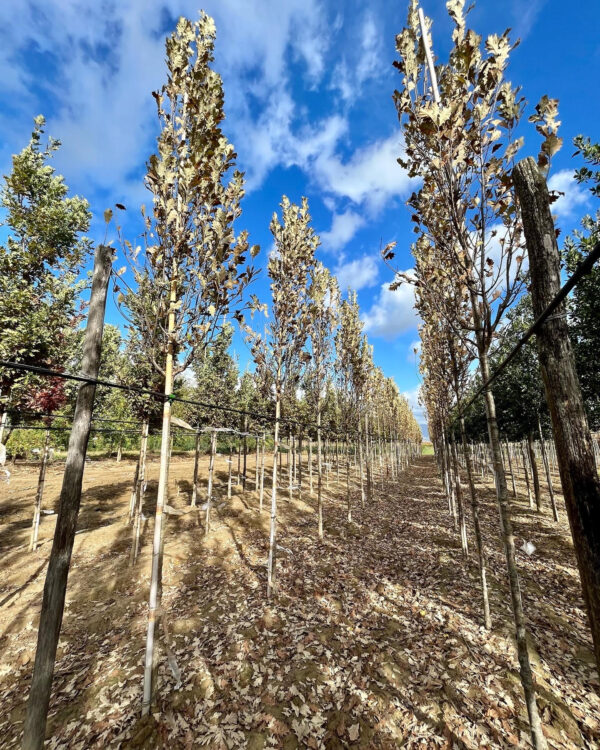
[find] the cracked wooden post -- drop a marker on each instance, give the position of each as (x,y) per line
(55,586)
(574,447)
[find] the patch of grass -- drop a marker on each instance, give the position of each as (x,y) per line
(427,449)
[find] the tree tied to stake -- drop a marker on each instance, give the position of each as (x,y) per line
(280,351)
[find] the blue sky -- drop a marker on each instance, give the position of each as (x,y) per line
(308,86)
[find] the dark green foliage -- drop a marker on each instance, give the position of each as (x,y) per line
(584,311)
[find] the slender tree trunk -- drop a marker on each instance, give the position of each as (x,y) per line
(211,468)
(368,459)
(294,459)
(154,605)
(525,464)
(262,475)
(134,487)
(461,516)
(37,509)
(360,464)
(534,472)
(510,466)
(526,674)
(547,470)
(319,474)
(310,467)
(245,452)
(70,497)
(271,562)
(289,465)
(574,446)
(477,526)
(300,466)
(195,476)
(230,465)
(348,498)
(256,462)
(139,493)
(3,425)
(444,469)
(119,449)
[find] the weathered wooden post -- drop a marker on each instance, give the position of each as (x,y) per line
(574,448)
(70,497)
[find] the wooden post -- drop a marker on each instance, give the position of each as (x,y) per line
(70,497)
(574,448)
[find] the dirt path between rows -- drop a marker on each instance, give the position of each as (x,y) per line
(375,639)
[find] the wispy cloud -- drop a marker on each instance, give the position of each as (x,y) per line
(343,228)
(574,196)
(94,67)
(392,313)
(357,274)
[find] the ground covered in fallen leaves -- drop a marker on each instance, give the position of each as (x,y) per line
(374,639)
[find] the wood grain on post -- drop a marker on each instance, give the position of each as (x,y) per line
(70,497)
(574,448)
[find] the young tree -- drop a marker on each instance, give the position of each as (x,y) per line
(462,144)
(39,265)
(445,360)
(289,269)
(351,379)
(196,270)
(322,313)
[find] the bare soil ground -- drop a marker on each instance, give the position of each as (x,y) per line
(374,640)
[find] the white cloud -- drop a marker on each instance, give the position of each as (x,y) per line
(574,195)
(418,410)
(357,274)
(392,313)
(343,228)
(525,17)
(371,175)
(104,59)
(348,78)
